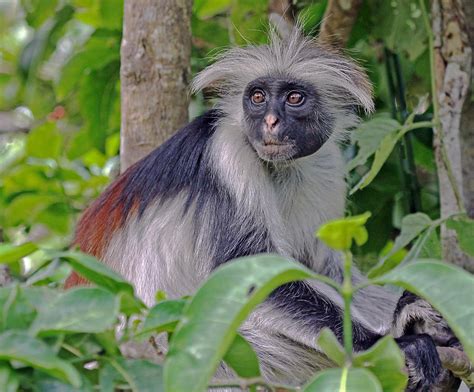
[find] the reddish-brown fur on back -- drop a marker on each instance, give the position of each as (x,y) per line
(97,225)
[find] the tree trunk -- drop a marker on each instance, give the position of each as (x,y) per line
(338,20)
(453,148)
(154,75)
(467,119)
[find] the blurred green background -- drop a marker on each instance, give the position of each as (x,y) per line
(60,106)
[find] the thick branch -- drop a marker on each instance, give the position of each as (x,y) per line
(458,362)
(155,70)
(338,20)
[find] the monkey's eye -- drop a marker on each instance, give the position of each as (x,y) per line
(294,98)
(258,97)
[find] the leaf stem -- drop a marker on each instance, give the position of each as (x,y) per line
(346,292)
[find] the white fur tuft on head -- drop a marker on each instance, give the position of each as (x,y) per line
(340,81)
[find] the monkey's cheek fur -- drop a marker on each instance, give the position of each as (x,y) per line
(275,152)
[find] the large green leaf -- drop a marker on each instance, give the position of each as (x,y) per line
(448,288)
(82,310)
(209,323)
(385,360)
(19,346)
(12,253)
(242,358)
(344,380)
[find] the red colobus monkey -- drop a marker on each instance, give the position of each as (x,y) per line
(259,173)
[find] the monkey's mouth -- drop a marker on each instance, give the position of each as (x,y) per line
(275,150)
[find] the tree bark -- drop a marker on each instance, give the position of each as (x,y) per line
(338,20)
(154,75)
(453,148)
(467,119)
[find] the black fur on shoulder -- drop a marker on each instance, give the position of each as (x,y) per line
(175,165)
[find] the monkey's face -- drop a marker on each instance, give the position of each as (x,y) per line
(285,118)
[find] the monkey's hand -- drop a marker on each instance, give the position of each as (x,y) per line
(418,329)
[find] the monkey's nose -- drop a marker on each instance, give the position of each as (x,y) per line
(271,122)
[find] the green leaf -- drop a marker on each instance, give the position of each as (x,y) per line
(386,362)
(403,30)
(465,230)
(96,272)
(45,383)
(44,141)
(42,43)
(91,58)
(209,323)
(19,346)
(242,358)
(17,312)
(96,97)
(331,346)
(369,136)
(382,153)
(25,207)
(111,12)
(339,233)
(37,11)
(140,375)
(248,19)
(13,253)
(163,317)
(82,310)
(412,226)
(8,379)
(342,380)
(207,8)
(445,287)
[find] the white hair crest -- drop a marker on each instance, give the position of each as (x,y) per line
(340,81)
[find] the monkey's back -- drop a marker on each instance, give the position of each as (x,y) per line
(173,167)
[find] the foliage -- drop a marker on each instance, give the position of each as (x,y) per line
(49,337)
(59,81)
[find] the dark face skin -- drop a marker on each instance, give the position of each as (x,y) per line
(285,118)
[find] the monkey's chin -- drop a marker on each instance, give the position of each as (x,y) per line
(275,152)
